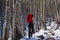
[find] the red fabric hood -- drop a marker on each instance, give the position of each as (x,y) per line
(29,18)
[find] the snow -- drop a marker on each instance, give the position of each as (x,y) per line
(28,39)
(48,27)
(46,36)
(57,32)
(52,23)
(9,38)
(42,32)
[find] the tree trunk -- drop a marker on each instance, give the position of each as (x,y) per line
(6,34)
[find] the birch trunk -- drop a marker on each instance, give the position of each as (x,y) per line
(6,34)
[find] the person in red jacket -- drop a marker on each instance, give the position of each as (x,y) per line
(30,25)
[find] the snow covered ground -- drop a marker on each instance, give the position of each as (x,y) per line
(45,33)
(28,39)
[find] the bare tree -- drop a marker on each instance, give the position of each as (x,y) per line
(6,32)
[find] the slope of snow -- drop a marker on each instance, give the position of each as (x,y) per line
(41,32)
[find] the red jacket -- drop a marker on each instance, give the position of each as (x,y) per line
(29,18)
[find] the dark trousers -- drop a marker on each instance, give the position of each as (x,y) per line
(31,29)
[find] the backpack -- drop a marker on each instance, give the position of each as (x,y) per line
(29,18)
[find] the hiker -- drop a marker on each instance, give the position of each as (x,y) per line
(30,24)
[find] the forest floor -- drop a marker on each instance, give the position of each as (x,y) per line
(52,29)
